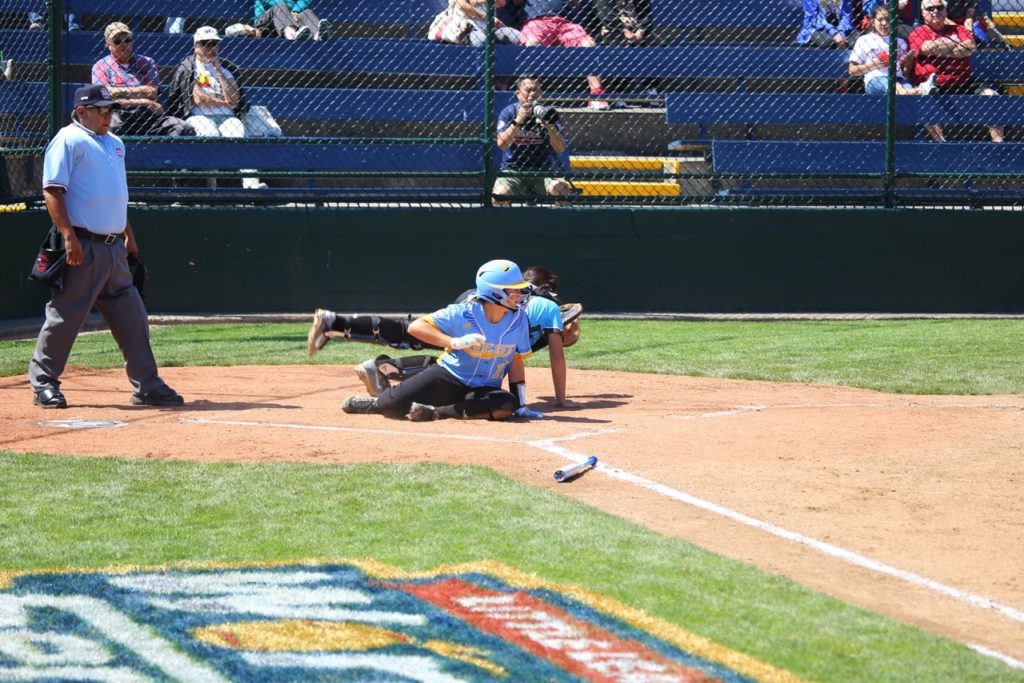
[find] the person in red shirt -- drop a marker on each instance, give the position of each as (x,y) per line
(944,48)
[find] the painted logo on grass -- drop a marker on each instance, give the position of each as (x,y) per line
(340,621)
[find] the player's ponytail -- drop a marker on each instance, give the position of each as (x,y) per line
(545,282)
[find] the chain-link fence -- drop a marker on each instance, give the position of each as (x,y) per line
(635,102)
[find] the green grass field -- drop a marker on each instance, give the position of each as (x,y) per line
(914,356)
(70,512)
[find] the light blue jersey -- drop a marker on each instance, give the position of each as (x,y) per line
(545,318)
(486,365)
(90,168)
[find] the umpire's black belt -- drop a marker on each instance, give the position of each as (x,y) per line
(96,237)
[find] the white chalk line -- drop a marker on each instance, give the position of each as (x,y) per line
(1006,659)
(385,432)
(843,554)
(551,445)
(844,406)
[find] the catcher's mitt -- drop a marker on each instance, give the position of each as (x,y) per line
(570,312)
(140,273)
(570,323)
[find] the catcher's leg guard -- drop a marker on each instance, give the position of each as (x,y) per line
(393,332)
(374,381)
(398,369)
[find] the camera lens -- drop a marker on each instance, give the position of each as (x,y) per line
(546,113)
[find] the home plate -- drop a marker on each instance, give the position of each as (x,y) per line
(81,424)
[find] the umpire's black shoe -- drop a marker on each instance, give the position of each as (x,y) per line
(160,398)
(365,405)
(50,398)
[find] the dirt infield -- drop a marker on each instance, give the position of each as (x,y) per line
(909,506)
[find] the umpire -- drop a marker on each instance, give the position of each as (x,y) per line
(86,194)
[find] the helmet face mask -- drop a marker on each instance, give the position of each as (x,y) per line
(524,296)
(495,277)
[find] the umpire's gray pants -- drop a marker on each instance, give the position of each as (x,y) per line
(104,280)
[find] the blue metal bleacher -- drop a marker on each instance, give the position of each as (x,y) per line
(283,154)
(738,13)
(346,104)
(681,61)
(367,55)
(823,158)
(832,109)
(731,67)
(407,13)
(349,55)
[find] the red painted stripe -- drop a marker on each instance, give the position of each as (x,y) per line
(550,633)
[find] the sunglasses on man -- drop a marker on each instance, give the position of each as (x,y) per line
(122,41)
(104,111)
(208,43)
(935,8)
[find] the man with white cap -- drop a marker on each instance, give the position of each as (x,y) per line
(206,91)
(86,194)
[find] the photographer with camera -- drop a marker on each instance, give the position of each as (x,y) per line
(530,139)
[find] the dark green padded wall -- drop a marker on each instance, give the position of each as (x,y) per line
(614,260)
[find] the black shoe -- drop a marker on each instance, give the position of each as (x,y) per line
(50,398)
(161,398)
(323,30)
(364,405)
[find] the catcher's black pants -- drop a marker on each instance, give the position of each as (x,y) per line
(437,387)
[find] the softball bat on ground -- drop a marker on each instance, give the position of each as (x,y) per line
(568,473)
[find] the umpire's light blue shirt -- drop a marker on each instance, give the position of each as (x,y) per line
(90,168)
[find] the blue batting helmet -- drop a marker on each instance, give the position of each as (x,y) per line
(494,277)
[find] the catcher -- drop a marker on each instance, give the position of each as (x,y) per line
(551,325)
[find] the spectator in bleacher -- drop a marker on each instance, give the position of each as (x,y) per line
(943,50)
(870,59)
(984,26)
(622,22)
(828,23)
(528,143)
(512,13)
(976,17)
(962,12)
(904,21)
(546,27)
(463,21)
(206,91)
(134,83)
(292,19)
(37,20)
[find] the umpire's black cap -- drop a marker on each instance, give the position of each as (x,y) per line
(93,96)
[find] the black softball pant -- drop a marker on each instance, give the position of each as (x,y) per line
(437,387)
